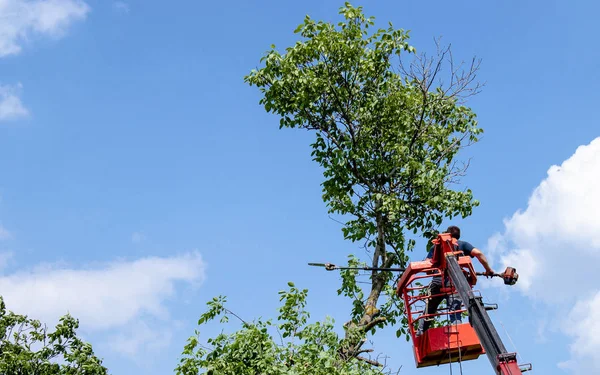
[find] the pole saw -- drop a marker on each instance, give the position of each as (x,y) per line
(510,275)
(331,267)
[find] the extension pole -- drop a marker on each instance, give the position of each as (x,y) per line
(331,267)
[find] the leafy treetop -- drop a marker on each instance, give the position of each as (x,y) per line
(388,125)
(288,346)
(29,348)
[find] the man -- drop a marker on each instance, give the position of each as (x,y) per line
(453,301)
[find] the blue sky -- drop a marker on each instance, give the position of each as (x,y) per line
(139,177)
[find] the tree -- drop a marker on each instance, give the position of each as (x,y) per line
(387,130)
(298,348)
(28,348)
(389,124)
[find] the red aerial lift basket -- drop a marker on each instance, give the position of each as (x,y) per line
(443,344)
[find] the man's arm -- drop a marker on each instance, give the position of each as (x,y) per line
(483,260)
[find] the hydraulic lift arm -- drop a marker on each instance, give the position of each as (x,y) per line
(504,363)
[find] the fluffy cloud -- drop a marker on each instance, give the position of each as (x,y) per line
(101,298)
(23,19)
(555,244)
(583,325)
(11,106)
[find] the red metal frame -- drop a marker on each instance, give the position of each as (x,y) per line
(444,344)
(457,342)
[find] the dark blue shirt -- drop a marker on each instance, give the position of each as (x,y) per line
(463,246)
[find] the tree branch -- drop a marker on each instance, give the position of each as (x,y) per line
(370,361)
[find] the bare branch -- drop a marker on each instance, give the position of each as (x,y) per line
(234,314)
(373,323)
(370,361)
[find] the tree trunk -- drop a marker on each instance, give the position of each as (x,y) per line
(378,281)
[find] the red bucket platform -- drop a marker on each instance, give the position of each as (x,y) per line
(452,343)
(442,345)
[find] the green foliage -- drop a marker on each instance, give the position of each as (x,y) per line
(290,345)
(28,347)
(386,136)
(350,288)
(387,139)
(370,138)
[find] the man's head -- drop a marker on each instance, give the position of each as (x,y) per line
(454,231)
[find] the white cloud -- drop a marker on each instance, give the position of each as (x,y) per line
(23,19)
(11,106)
(555,246)
(121,7)
(101,298)
(123,302)
(583,324)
